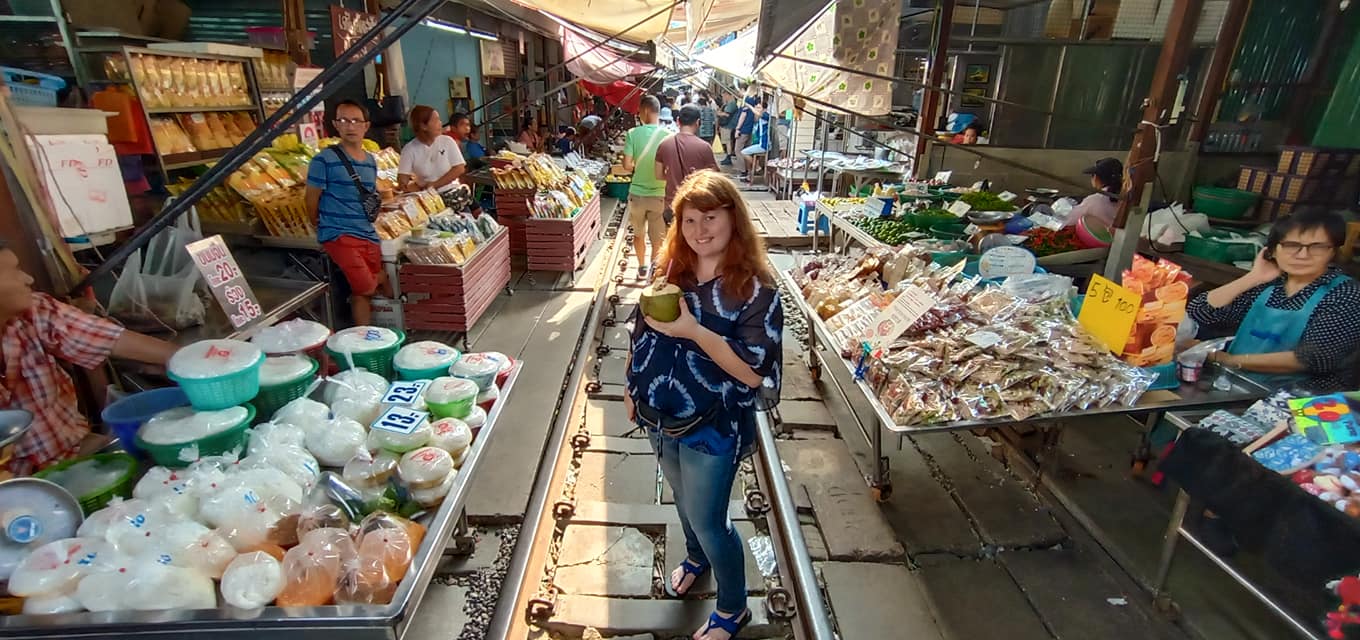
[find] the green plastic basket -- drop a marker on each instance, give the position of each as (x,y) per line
(167,455)
(92,502)
(1212,245)
(1227,204)
(378,361)
(272,397)
(617,190)
(423,374)
(222,392)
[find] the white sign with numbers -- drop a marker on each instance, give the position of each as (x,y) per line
(405,392)
(400,420)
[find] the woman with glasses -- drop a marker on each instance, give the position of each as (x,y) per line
(1295,313)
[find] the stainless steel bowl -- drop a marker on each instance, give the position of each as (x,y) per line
(989,217)
(13,424)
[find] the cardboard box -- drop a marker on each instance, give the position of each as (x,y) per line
(387,313)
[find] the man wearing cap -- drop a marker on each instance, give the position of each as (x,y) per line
(1107,176)
(683,153)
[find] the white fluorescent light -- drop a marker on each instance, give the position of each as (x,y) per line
(483,35)
(444,26)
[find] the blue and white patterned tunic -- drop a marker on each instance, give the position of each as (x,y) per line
(678,379)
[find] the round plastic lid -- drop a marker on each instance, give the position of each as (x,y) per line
(425,354)
(399,442)
(475,365)
(451,434)
(489,394)
(506,361)
(291,336)
(213,359)
(361,339)
(183,424)
(476,418)
(33,512)
(283,369)
(425,467)
(446,389)
(434,495)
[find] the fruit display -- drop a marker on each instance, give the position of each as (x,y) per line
(176,82)
(892,231)
(222,204)
(978,352)
(611,178)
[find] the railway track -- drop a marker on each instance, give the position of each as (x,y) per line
(600,534)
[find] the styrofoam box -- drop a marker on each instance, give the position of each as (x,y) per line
(387,313)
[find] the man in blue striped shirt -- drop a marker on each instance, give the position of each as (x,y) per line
(336,204)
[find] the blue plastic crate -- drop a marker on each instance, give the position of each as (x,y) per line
(32,88)
(1166,376)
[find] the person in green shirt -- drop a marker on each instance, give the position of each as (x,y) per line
(646,196)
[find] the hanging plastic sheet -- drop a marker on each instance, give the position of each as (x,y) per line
(735,57)
(858,34)
(616,18)
(600,65)
(624,95)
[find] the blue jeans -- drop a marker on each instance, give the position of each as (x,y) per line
(701,484)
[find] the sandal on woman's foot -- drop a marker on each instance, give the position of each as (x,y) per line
(731,626)
(692,572)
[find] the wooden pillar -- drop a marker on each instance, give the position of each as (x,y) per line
(939,54)
(1180,33)
(295,32)
(1228,39)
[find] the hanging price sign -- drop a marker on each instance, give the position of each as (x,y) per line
(1108,312)
(228,284)
(909,306)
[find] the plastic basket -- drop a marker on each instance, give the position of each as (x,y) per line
(271,398)
(617,190)
(1228,204)
(32,88)
(168,455)
(378,361)
(1212,245)
(125,416)
(222,392)
(92,502)
(1166,376)
(459,409)
(422,374)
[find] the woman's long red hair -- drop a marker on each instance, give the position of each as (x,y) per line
(745,259)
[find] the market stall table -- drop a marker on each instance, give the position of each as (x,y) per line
(1340,527)
(1187,396)
(279,298)
(335,622)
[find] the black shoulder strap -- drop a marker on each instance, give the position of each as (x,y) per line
(349,166)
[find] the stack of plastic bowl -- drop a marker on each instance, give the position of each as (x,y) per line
(283,379)
(424,360)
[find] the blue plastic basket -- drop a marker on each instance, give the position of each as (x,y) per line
(1166,376)
(32,88)
(127,415)
(222,392)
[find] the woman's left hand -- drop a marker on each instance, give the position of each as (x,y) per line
(684,327)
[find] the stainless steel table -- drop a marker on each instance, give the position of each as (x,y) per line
(338,622)
(279,298)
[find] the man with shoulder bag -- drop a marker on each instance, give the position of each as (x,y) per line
(343,201)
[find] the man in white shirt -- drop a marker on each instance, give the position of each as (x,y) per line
(431,159)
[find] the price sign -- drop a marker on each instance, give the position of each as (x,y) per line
(1002,262)
(1109,312)
(1007,196)
(944,176)
(405,392)
(909,306)
(960,208)
(228,284)
(400,420)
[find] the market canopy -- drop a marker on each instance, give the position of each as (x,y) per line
(854,34)
(780,20)
(707,19)
(600,64)
(617,16)
(621,94)
(736,57)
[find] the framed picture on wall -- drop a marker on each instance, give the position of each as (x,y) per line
(970,98)
(978,74)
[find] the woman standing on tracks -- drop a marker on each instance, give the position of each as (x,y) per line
(697,383)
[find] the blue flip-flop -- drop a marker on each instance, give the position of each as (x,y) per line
(690,569)
(732,626)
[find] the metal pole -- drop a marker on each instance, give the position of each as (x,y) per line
(1169,540)
(821,162)
(351,62)
(944,23)
(1085,13)
(972,30)
(811,608)
(1228,37)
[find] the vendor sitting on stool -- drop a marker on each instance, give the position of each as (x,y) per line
(1107,178)
(1295,312)
(37,331)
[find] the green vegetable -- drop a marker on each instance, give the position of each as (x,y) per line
(986,201)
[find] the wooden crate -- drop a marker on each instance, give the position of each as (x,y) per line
(453,297)
(513,202)
(515,225)
(560,245)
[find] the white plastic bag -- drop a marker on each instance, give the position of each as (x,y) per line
(159,284)
(1170,225)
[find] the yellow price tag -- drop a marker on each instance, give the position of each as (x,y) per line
(1109,312)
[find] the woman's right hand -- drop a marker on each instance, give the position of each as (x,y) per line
(628,404)
(1263,270)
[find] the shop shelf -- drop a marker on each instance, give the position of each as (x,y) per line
(239,107)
